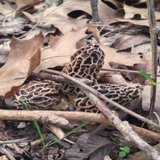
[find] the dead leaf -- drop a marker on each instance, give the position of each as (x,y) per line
(53,40)
(106,13)
(4,157)
(146,51)
(125,58)
(88,144)
(127,41)
(114,4)
(60,53)
(92,28)
(112,77)
(143,12)
(14,26)
(4,52)
(6,8)
(58,17)
(25,3)
(146,98)
(136,22)
(23,58)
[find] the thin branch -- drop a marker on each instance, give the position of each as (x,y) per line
(125,71)
(7,153)
(124,128)
(44,75)
(22,140)
(22,115)
(93,91)
(95,14)
(153,35)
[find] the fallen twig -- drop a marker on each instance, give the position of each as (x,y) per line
(125,129)
(22,140)
(125,71)
(57,131)
(153,35)
(22,115)
(93,91)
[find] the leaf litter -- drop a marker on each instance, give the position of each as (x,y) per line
(49,37)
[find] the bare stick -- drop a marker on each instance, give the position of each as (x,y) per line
(22,115)
(95,14)
(124,128)
(93,91)
(153,35)
(125,71)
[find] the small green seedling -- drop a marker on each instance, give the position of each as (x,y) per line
(124,151)
(36,124)
(58,140)
(72,131)
(148,77)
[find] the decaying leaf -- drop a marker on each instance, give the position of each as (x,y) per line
(146,98)
(112,77)
(131,11)
(106,13)
(125,58)
(89,145)
(14,26)
(4,157)
(57,16)
(23,58)
(53,40)
(113,4)
(4,52)
(24,4)
(60,53)
(6,8)
(92,28)
(127,41)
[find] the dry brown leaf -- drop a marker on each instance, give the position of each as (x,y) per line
(58,17)
(114,4)
(143,12)
(82,42)
(92,28)
(53,40)
(127,41)
(24,3)
(112,77)
(125,58)
(60,53)
(6,8)
(23,58)
(106,13)
(14,27)
(136,22)
(146,51)
(3,157)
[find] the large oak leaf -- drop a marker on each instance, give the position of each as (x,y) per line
(23,58)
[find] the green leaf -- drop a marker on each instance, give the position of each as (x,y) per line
(157,83)
(126,149)
(147,76)
(122,154)
(67,134)
(36,124)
